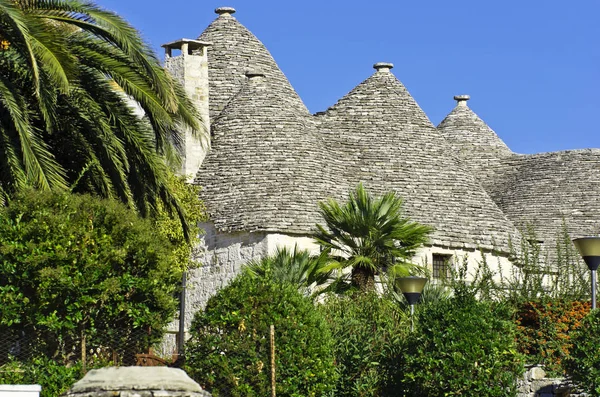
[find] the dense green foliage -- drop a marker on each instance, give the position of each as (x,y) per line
(545,328)
(369,235)
(228,353)
(171,227)
(584,363)
(368,331)
(296,267)
(77,269)
(69,74)
(461,346)
(55,378)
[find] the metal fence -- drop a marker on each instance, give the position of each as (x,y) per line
(111,347)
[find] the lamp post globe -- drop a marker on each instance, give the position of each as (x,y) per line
(412,288)
(589,248)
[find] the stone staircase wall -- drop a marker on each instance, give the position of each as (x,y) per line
(536,384)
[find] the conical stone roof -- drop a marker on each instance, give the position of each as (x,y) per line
(388,142)
(271,162)
(234,51)
(265,168)
(545,190)
(473,141)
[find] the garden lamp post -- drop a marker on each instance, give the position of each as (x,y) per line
(589,248)
(411,288)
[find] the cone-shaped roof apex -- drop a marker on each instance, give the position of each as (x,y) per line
(387,141)
(469,135)
(234,51)
(265,168)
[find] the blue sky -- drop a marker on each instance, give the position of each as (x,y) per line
(532,67)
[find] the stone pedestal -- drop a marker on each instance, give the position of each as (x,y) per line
(136,382)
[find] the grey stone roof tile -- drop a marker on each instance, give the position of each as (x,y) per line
(265,169)
(270,164)
(472,141)
(390,144)
(544,190)
(235,50)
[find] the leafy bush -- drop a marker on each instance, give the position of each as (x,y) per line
(78,271)
(368,331)
(229,349)
(584,363)
(461,346)
(170,226)
(55,378)
(545,328)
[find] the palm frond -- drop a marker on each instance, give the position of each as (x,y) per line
(369,233)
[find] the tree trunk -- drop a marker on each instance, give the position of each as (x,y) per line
(363,279)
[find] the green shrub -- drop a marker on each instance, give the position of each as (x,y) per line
(228,353)
(544,331)
(461,347)
(169,225)
(584,363)
(55,378)
(368,331)
(78,271)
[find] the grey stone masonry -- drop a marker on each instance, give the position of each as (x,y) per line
(548,190)
(385,140)
(535,384)
(543,191)
(136,382)
(473,141)
(235,50)
(272,162)
(266,169)
(191,69)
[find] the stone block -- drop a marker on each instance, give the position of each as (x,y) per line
(136,382)
(537,373)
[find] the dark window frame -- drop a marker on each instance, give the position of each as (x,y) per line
(441,266)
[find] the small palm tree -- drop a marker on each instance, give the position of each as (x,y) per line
(297,267)
(369,235)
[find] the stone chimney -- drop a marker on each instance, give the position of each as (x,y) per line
(190,67)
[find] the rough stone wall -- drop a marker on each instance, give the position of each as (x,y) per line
(535,384)
(221,257)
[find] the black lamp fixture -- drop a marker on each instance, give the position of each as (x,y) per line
(411,288)
(589,248)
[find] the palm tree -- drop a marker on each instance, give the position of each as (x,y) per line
(369,235)
(297,267)
(71,76)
